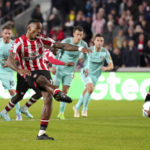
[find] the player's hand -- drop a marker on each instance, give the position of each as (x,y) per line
(69,64)
(85,50)
(5,64)
(86,72)
(104,68)
(53,70)
(24,72)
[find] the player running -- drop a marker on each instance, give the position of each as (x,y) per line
(30,49)
(6,74)
(64,74)
(91,73)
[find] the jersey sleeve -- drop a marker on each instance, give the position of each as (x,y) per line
(16,46)
(50,58)
(47,41)
(108,57)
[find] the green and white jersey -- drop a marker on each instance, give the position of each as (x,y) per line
(69,56)
(96,60)
(4,53)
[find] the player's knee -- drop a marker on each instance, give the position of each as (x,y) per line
(37,95)
(90,88)
(41,80)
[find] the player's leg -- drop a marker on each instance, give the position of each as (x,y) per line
(63,104)
(46,113)
(86,98)
(66,82)
(147,98)
(87,82)
(10,106)
(17,105)
(44,83)
(21,89)
(29,103)
(79,104)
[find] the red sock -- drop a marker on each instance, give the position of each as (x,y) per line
(30,102)
(9,106)
(56,91)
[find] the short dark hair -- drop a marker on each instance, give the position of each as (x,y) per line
(99,35)
(33,21)
(79,28)
(7,27)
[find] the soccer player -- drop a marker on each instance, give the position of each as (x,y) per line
(30,49)
(91,72)
(146,105)
(64,74)
(22,87)
(6,74)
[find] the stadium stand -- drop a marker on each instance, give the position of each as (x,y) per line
(124,23)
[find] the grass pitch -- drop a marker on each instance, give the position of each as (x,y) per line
(111,125)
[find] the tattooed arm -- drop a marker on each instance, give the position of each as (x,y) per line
(11,62)
(69,47)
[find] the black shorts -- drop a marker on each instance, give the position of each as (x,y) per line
(34,75)
(22,85)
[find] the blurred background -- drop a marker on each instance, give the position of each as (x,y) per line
(125,25)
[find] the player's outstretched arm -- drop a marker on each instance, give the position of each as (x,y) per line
(12,64)
(108,68)
(69,47)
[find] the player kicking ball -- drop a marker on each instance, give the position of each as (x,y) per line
(91,73)
(29,49)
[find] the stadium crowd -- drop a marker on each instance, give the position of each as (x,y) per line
(124,24)
(8,7)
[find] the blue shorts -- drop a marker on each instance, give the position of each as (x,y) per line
(65,79)
(8,83)
(88,79)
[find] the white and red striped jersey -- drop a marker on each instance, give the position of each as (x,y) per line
(30,53)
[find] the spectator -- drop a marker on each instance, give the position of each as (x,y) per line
(117,42)
(87,29)
(122,7)
(131,56)
(146,53)
(98,23)
(116,57)
(80,19)
(36,14)
(53,20)
(132,7)
(121,26)
(130,34)
(7,8)
(108,33)
(57,33)
(140,47)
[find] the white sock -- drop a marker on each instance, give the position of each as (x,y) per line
(25,107)
(41,132)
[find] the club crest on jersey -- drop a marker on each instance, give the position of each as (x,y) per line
(39,45)
(101,57)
